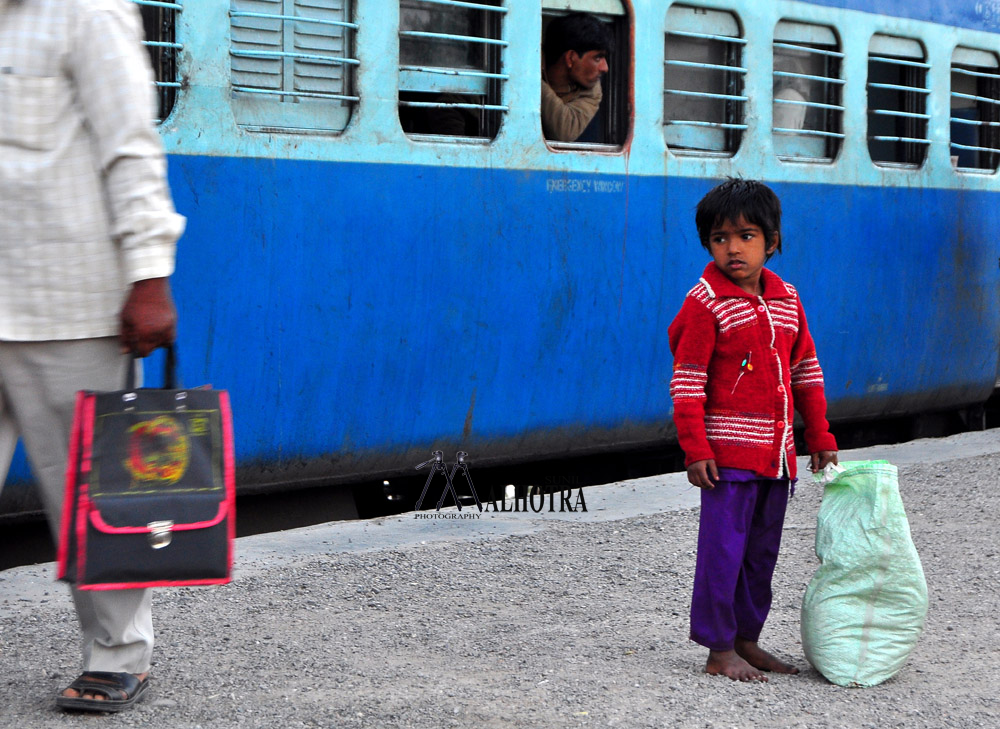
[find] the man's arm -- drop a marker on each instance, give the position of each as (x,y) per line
(565,121)
(114,85)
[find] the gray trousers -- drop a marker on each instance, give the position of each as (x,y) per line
(38,385)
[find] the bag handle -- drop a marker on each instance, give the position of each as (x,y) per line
(169,369)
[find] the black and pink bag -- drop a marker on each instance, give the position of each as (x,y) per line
(150,488)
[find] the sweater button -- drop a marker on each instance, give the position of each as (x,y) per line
(781,388)
(781,423)
(761,308)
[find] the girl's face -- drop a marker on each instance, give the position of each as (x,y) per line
(740,249)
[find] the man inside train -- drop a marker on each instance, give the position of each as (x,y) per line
(575,56)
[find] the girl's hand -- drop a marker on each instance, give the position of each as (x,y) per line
(818,461)
(703,474)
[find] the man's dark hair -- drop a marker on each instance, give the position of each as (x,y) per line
(576,32)
(736,198)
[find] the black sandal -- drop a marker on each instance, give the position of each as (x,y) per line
(120,690)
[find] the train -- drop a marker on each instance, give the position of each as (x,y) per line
(370,288)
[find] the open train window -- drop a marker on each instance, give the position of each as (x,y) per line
(704,99)
(451,67)
(608,127)
(897,101)
(291,63)
(975,109)
(807,110)
(158,21)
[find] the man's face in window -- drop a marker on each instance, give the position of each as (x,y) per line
(586,70)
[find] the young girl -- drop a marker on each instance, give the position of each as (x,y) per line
(742,358)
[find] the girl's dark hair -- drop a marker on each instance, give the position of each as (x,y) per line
(752,200)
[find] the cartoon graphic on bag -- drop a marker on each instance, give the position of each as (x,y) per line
(150,489)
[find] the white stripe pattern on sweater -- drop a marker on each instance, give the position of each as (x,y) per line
(740,430)
(807,373)
(785,315)
(688,383)
(730,313)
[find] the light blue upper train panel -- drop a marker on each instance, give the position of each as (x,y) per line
(207,121)
(972,14)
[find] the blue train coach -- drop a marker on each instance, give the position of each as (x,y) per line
(370,284)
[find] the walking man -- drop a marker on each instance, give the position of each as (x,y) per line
(87,240)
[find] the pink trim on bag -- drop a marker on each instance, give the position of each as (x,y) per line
(83,506)
(66,521)
(103,526)
(229,471)
(83,503)
(158,583)
(89,418)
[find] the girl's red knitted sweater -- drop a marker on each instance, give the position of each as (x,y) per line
(741,363)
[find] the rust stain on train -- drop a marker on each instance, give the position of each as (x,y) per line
(467,428)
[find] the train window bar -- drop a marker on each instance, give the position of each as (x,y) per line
(975,110)
(292,64)
(807,109)
(159,20)
(451,74)
(897,102)
(704,79)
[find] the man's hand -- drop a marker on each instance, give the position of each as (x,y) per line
(149,319)
(703,474)
(819,460)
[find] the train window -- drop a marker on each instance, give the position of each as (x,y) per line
(291,64)
(807,109)
(608,127)
(897,101)
(975,109)
(451,67)
(158,21)
(704,99)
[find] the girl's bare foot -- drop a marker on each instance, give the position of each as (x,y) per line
(728,663)
(760,658)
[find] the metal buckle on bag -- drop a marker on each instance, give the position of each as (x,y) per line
(160,533)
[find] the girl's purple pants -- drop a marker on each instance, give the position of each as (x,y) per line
(738,540)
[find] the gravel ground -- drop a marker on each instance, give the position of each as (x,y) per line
(571,624)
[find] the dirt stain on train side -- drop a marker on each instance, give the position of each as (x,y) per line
(467,428)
